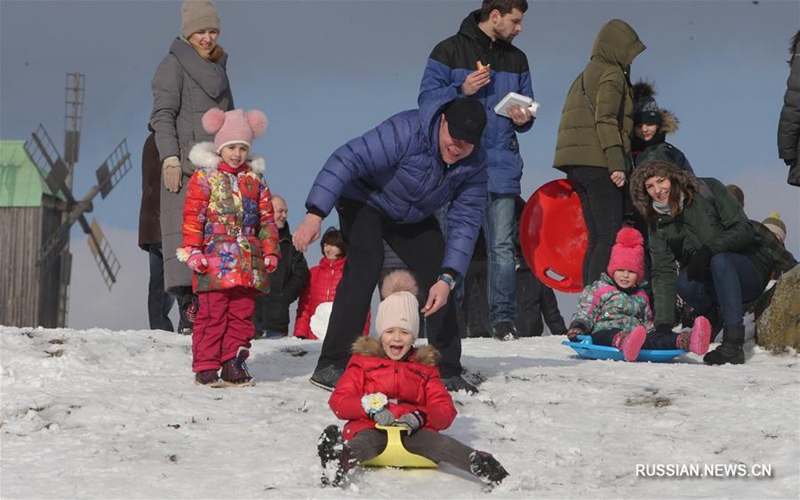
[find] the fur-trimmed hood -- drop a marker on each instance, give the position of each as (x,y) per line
(203,155)
(680,179)
(669,122)
(367,346)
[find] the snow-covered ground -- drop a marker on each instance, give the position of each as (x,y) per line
(115,414)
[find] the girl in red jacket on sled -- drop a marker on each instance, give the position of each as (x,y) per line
(390,382)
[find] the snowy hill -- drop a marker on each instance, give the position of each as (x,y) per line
(105,414)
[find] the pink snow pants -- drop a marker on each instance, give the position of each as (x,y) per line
(223,325)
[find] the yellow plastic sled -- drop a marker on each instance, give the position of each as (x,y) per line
(395,454)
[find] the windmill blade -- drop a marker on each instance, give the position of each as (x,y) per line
(73,117)
(59,238)
(48,162)
(103,255)
(114,168)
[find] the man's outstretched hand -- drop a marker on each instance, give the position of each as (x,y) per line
(307,232)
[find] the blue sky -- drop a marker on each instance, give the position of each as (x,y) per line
(326,71)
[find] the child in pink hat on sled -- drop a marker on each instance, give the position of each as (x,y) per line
(615,310)
(230,241)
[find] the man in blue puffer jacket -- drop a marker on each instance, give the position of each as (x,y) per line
(387,185)
(484,39)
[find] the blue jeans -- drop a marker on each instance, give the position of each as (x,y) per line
(733,280)
(499,226)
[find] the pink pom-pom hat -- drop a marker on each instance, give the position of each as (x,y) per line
(628,253)
(234,127)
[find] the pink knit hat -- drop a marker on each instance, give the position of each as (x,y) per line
(234,127)
(628,253)
(399,308)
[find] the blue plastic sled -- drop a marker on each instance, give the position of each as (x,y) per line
(586,349)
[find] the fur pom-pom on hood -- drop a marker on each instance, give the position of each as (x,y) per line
(204,155)
(367,346)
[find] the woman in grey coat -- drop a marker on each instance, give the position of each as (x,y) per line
(789,125)
(190,80)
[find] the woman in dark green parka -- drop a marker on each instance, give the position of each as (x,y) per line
(724,259)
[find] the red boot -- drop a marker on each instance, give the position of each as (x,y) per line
(701,336)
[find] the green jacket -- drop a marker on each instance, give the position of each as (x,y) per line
(590,133)
(718,223)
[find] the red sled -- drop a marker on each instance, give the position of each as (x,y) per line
(553,236)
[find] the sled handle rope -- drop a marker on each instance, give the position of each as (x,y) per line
(395,454)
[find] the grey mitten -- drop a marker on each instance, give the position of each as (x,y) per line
(412,421)
(383,417)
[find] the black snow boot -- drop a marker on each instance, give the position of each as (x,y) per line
(730,351)
(486,467)
(329,449)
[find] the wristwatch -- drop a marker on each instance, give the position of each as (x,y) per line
(451,282)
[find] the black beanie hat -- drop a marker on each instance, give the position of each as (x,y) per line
(466,120)
(645,107)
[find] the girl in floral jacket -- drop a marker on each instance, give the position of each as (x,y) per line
(230,241)
(616,311)
(389,382)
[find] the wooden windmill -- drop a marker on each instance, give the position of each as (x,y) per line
(53,258)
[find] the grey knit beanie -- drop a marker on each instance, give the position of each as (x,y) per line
(198,15)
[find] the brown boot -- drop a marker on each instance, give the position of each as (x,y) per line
(234,371)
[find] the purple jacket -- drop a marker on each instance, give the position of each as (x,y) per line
(396,168)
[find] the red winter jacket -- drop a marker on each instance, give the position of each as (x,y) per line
(321,288)
(409,385)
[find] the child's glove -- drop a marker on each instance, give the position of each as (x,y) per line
(573,332)
(270,263)
(375,406)
(197,262)
(383,417)
(412,421)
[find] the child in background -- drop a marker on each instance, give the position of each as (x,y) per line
(322,285)
(776,225)
(230,241)
(651,127)
(616,312)
(389,382)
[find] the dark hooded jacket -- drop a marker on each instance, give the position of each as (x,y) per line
(590,132)
(449,64)
(789,124)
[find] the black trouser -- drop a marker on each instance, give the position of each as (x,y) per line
(602,204)
(421,247)
(159,301)
(653,341)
